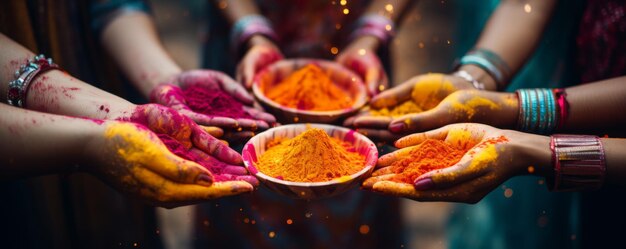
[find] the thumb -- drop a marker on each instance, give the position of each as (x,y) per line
(419,122)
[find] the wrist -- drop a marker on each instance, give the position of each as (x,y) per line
(366,42)
(481,76)
(536,156)
(259,40)
(121,111)
(92,147)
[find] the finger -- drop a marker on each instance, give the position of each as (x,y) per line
(390,158)
(349,122)
(247,178)
(238,136)
(180,170)
(469,192)
(379,135)
(395,189)
(375,80)
(235,89)
(431,119)
(369,182)
(372,122)
(215,148)
(450,176)
(383,171)
(201,119)
(187,194)
(222,171)
(393,96)
(213,131)
(250,124)
(260,115)
(235,170)
(418,138)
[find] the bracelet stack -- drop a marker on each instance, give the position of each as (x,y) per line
(16,94)
(468,77)
(490,62)
(579,163)
(374,25)
(248,26)
(541,110)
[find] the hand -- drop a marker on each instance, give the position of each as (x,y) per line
(171,95)
(493,157)
(163,120)
(133,160)
(427,91)
(262,53)
(360,56)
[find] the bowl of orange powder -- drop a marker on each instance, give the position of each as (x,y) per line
(309,90)
(310,161)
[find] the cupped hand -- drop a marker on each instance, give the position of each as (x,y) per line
(360,56)
(493,157)
(132,159)
(426,91)
(262,53)
(171,95)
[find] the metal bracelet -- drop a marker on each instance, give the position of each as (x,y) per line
(16,94)
(468,77)
(579,163)
(374,25)
(248,26)
(538,112)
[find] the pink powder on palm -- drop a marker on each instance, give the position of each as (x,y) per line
(214,103)
(212,164)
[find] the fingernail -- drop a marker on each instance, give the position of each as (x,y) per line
(397,127)
(424,184)
(204,179)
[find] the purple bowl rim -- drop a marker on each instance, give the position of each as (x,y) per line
(357,104)
(352,177)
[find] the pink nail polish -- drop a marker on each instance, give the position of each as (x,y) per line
(204,179)
(424,184)
(397,127)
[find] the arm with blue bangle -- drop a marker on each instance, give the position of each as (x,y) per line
(507,41)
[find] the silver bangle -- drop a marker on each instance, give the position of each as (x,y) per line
(468,77)
(16,94)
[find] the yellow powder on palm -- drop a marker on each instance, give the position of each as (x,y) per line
(424,96)
(405,108)
(310,88)
(312,156)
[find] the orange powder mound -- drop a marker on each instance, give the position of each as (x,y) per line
(310,88)
(312,156)
(429,155)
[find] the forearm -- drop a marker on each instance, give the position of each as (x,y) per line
(615,151)
(34,143)
(395,10)
(512,32)
(55,91)
(597,106)
(132,41)
(236,9)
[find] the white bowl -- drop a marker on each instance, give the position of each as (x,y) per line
(310,190)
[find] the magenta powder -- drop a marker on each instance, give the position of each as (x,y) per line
(214,103)
(212,164)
